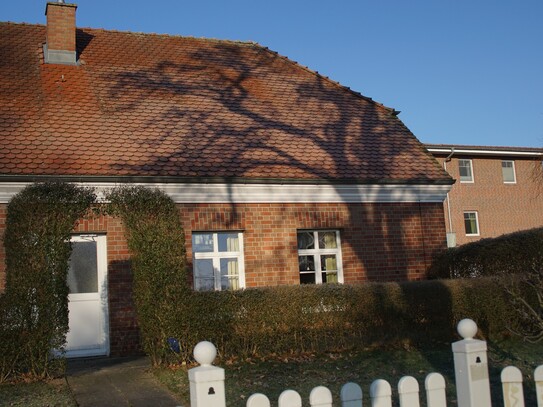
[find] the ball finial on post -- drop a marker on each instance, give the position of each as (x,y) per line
(205,353)
(467,328)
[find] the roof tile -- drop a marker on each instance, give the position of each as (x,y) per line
(145,104)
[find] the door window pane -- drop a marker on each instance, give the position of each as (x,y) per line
(83,268)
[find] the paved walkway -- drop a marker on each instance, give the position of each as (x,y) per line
(116,382)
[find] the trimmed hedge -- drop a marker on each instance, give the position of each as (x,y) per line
(34,309)
(293,319)
(511,253)
(156,242)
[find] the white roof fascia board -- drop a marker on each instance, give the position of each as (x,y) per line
(269,193)
(485,152)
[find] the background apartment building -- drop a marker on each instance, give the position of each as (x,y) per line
(498,190)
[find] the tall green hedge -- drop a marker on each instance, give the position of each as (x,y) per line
(292,319)
(511,253)
(34,309)
(156,242)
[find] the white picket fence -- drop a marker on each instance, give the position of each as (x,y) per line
(471,374)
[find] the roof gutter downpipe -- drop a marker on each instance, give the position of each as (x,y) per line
(448,198)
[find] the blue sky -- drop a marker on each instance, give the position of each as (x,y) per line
(461,71)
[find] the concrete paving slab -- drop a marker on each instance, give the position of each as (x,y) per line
(117,382)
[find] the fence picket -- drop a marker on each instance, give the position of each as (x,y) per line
(351,395)
(320,397)
(381,394)
(258,400)
(435,390)
(513,395)
(290,398)
(408,391)
(538,379)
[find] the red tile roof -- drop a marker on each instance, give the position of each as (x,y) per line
(164,106)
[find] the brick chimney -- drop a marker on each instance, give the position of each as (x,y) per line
(60,44)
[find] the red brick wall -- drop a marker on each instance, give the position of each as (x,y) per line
(502,208)
(61,27)
(379,242)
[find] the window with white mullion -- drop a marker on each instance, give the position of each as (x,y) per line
(218,260)
(319,256)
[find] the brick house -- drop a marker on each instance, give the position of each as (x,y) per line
(498,190)
(281,175)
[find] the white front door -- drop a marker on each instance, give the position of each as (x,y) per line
(88,333)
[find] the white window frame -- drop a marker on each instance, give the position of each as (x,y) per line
(216,257)
(514,172)
(476,223)
(466,181)
(318,252)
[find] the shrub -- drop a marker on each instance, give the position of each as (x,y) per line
(156,241)
(293,319)
(34,310)
(511,253)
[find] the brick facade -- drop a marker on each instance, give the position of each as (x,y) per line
(61,26)
(501,207)
(379,242)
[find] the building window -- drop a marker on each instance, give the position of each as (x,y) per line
(471,223)
(319,257)
(466,170)
(218,261)
(508,172)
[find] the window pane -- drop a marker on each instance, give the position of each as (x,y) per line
(204,276)
(229,274)
(508,171)
(306,240)
(328,262)
(202,242)
(327,240)
(83,271)
(329,277)
(307,263)
(470,223)
(307,278)
(228,242)
(464,167)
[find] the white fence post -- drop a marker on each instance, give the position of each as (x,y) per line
(538,379)
(408,391)
(206,381)
(471,368)
(351,395)
(320,397)
(258,400)
(435,390)
(381,393)
(512,387)
(289,398)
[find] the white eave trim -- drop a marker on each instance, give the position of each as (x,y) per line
(271,193)
(445,150)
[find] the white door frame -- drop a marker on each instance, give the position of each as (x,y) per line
(94,299)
